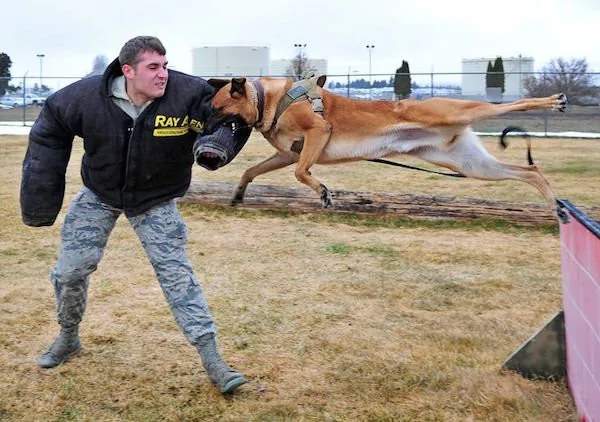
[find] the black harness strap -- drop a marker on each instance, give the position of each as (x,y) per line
(406,166)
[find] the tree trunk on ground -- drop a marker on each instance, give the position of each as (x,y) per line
(374,203)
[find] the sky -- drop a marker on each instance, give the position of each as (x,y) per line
(430,35)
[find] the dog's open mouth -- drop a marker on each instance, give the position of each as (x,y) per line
(210,157)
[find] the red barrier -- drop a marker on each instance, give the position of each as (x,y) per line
(580,256)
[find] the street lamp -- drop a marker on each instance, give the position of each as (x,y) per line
(370,47)
(520,76)
(41,57)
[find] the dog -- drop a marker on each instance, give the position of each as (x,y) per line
(437,130)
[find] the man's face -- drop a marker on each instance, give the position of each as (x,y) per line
(148,78)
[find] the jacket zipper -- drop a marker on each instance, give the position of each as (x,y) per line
(141,117)
(125,179)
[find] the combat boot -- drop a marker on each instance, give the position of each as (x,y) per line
(225,378)
(64,346)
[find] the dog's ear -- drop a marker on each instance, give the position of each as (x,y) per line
(238,87)
(321,80)
(218,83)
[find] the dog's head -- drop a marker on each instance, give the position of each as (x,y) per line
(232,100)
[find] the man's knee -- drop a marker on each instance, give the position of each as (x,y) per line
(72,271)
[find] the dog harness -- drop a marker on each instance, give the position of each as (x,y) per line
(305,89)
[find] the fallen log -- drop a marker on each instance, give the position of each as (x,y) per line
(373,203)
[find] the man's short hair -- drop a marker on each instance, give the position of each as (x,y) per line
(131,51)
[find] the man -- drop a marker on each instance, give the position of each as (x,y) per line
(139,122)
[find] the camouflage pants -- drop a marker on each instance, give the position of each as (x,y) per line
(161,230)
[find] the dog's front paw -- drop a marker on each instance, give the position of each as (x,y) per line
(560,102)
(326,198)
(238,197)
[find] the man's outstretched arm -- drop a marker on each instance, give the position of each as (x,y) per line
(44,168)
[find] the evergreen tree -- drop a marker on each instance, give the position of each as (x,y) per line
(402,83)
(5,64)
(489,78)
(499,69)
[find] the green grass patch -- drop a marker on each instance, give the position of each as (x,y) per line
(338,248)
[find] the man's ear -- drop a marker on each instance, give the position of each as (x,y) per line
(128,71)
(218,83)
(238,87)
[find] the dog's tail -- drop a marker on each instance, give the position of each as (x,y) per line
(524,134)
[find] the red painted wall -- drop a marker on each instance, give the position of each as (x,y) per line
(580,255)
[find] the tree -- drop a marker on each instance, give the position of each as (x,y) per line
(402,85)
(299,66)
(99,65)
(489,78)
(499,69)
(494,76)
(570,77)
(5,64)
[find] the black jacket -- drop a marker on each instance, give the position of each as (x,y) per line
(130,167)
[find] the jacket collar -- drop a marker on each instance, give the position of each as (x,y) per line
(112,71)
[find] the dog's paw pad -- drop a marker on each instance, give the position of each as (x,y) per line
(560,103)
(326,198)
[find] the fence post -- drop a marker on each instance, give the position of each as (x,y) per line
(431,83)
(348,86)
(546,123)
(24,102)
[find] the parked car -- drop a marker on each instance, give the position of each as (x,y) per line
(8,101)
(18,100)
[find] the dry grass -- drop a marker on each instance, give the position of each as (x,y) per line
(329,320)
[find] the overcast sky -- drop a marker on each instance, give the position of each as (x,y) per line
(428,34)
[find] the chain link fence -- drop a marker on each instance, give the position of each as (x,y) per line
(24,96)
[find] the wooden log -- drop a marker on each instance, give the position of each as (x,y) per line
(373,203)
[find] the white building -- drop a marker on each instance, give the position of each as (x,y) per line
(514,67)
(280,67)
(230,61)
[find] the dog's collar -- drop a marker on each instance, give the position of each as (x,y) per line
(260,101)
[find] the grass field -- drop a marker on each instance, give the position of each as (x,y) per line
(330,319)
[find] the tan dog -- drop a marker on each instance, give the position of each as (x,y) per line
(436,130)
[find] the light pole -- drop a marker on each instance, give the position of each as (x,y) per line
(370,47)
(41,57)
(520,76)
(301,65)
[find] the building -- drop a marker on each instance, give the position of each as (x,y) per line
(515,73)
(280,67)
(230,61)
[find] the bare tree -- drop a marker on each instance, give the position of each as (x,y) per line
(570,77)
(99,65)
(299,66)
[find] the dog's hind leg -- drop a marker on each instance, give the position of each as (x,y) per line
(467,155)
(315,140)
(450,112)
(277,161)
(555,102)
